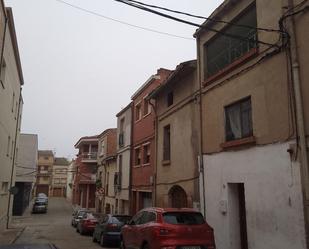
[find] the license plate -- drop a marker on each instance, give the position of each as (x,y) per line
(190,247)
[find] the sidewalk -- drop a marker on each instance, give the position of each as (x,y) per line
(16,228)
(9,236)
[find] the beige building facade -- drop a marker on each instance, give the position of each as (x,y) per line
(44,172)
(11,81)
(254,88)
(59,177)
(177,139)
(107,168)
(122,180)
(70,180)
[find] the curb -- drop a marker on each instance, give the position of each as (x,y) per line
(18,235)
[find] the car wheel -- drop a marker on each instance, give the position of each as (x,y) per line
(77,230)
(102,242)
(122,245)
(145,246)
(81,231)
(94,239)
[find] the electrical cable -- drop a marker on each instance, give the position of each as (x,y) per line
(124,23)
(192,23)
(205,18)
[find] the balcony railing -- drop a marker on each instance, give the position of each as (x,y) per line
(89,156)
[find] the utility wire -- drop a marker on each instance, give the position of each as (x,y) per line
(122,22)
(192,23)
(205,18)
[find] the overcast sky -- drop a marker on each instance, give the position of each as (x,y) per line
(80,69)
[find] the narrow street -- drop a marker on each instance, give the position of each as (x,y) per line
(53,227)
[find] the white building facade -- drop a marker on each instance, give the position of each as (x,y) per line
(11,81)
(26,171)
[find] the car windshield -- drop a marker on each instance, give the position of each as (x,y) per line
(40,199)
(92,216)
(121,219)
(81,213)
(183,218)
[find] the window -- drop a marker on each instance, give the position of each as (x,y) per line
(121,133)
(167,143)
(120,170)
(137,156)
(224,50)
(138,112)
(238,120)
(170,98)
(147,107)
(8,146)
(16,110)
(121,125)
(3,71)
(146,158)
(12,149)
(121,139)
(4,187)
(183,218)
(13,101)
(46,158)
(106,186)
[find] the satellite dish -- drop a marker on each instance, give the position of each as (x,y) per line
(13,190)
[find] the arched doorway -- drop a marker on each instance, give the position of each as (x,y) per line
(177,197)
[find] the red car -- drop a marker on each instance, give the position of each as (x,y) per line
(87,223)
(167,228)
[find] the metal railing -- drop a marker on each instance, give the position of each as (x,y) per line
(89,156)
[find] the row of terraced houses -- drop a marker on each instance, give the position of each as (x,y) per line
(226,133)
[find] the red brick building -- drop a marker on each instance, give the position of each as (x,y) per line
(85,176)
(143,144)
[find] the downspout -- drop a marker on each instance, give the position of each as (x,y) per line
(300,119)
(13,162)
(201,161)
(154,201)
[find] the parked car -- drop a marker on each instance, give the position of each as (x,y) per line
(39,206)
(77,215)
(87,223)
(171,228)
(108,229)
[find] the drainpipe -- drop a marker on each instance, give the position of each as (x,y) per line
(201,161)
(13,161)
(154,198)
(300,119)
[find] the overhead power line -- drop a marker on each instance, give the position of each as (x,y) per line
(122,22)
(203,17)
(192,23)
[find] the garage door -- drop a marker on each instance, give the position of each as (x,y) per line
(42,189)
(57,192)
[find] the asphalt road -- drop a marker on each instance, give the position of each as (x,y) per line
(54,227)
